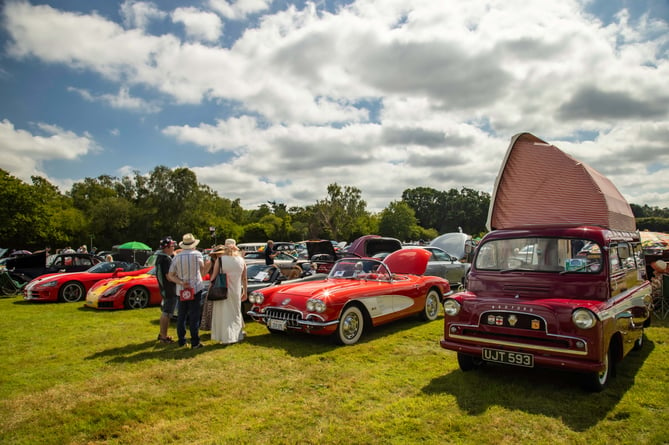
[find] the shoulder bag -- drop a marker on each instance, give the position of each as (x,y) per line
(219,289)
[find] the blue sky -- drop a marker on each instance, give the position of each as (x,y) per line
(274,100)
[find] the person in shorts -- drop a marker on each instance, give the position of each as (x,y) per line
(168,289)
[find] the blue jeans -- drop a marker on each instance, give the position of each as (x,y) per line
(190,312)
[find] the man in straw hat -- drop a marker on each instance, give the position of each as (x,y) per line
(186,271)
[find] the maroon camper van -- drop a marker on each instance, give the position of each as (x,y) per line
(560,280)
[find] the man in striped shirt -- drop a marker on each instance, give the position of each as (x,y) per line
(187,269)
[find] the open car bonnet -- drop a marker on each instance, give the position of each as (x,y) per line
(370,245)
(408,261)
(320,248)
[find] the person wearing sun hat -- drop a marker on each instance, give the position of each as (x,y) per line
(208,306)
(168,289)
(227,323)
(187,269)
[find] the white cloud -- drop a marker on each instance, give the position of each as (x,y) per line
(199,25)
(23,152)
(381,95)
(121,100)
(138,14)
(240,9)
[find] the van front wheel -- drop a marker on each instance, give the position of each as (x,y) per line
(469,362)
(596,381)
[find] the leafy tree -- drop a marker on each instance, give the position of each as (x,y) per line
(646,211)
(450,210)
(653,224)
(425,203)
(339,211)
(398,220)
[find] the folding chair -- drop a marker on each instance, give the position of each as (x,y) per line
(9,286)
(661,300)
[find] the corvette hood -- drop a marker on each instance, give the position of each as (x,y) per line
(311,288)
(408,261)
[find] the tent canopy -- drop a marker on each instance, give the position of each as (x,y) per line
(539,184)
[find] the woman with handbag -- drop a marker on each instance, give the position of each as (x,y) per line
(227,323)
(208,305)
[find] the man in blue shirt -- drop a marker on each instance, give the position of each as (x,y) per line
(270,253)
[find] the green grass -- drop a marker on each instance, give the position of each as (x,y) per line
(71,375)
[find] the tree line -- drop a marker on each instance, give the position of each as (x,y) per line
(106,211)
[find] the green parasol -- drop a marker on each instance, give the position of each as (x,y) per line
(134,245)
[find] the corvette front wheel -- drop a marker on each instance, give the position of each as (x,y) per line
(350,327)
(431,309)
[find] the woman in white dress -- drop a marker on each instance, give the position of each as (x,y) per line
(227,323)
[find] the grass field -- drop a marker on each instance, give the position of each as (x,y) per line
(72,375)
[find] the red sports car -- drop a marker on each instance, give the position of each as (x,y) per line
(358,292)
(72,286)
(136,292)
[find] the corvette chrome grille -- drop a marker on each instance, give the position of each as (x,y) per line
(291,317)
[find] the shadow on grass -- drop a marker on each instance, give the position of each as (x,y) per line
(299,344)
(541,391)
(295,344)
(150,350)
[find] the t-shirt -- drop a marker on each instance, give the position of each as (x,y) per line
(163,263)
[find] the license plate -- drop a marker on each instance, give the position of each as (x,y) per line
(279,325)
(508,357)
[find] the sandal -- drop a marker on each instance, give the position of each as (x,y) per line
(167,339)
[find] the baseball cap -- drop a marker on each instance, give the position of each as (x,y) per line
(166,242)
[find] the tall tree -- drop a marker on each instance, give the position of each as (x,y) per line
(338,212)
(398,220)
(425,203)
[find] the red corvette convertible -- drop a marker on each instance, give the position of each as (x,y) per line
(358,292)
(136,292)
(72,286)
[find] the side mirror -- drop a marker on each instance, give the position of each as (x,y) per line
(468,248)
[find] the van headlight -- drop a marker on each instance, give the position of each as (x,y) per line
(451,307)
(583,318)
(256,298)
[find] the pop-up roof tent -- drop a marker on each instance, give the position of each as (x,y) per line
(539,184)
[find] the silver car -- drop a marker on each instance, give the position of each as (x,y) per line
(443,264)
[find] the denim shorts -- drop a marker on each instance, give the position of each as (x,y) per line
(168,305)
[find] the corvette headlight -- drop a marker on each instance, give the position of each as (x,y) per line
(451,307)
(315,305)
(256,298)
(583,318)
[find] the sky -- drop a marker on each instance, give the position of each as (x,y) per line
(273,100)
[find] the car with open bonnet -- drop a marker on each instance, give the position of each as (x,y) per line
(357,294)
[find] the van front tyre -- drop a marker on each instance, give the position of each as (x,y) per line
(469,362)
(596,381)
